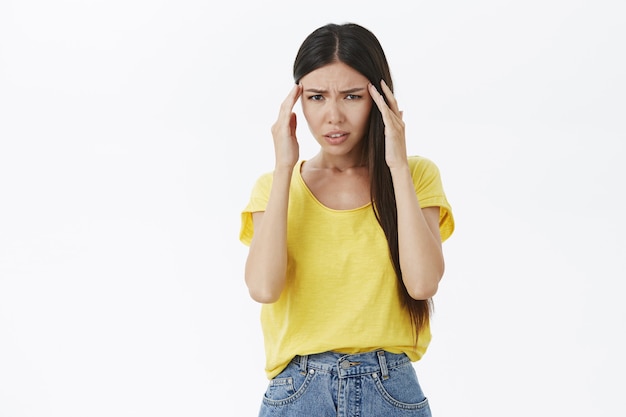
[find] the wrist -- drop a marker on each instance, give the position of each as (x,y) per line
(401,168)
(283,169)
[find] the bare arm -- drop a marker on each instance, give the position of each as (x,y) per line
(266,265)
(419,239)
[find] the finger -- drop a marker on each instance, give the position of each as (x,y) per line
(389,116)
(378,99)
(293,122)
(391,99)
(290,101)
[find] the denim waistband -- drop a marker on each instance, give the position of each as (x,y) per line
(344,365)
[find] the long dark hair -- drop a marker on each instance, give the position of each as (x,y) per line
(357,47)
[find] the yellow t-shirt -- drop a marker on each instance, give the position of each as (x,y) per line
(341,292)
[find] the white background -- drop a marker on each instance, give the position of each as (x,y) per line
(132,131)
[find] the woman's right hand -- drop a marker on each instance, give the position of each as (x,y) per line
(286,147)
(266,266)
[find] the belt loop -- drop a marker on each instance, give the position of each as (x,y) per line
(303,361)
(382,360)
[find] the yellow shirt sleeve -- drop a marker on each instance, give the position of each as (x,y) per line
(258,201)
(430,193)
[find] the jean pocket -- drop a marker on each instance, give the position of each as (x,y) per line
(287,386)
(401,389)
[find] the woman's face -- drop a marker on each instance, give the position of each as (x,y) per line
(336,105)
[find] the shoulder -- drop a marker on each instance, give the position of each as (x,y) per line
(421,166)
(265,179)
(419,160)
(264,182)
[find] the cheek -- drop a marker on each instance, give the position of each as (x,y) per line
(310,113)
(364,116)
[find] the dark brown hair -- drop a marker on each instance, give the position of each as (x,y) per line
(357,47)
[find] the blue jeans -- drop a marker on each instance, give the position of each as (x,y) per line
(372,384)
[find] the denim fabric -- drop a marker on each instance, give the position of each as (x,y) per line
(372,384)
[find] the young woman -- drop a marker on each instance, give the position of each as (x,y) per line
(345,247)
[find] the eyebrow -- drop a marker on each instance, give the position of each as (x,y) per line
(348,91)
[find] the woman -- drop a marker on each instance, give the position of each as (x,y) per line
(345,247)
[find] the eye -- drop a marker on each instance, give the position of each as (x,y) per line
(352,97)
(316,97)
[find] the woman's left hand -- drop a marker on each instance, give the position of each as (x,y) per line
(395,141)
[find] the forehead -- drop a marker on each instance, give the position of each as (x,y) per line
(336,74)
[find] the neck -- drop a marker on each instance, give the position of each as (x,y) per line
(324,160)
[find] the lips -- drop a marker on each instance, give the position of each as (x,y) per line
(336,137)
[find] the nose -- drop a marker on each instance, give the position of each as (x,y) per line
(334,112)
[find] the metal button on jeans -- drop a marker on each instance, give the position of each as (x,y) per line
(348,364)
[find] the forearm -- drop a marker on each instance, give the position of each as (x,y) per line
(419,241)
(266,265)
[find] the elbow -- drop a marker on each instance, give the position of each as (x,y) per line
(263,296)
(424,284)
(264,290)
(423,291)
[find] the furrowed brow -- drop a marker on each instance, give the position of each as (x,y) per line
(322,91)
(352,90)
